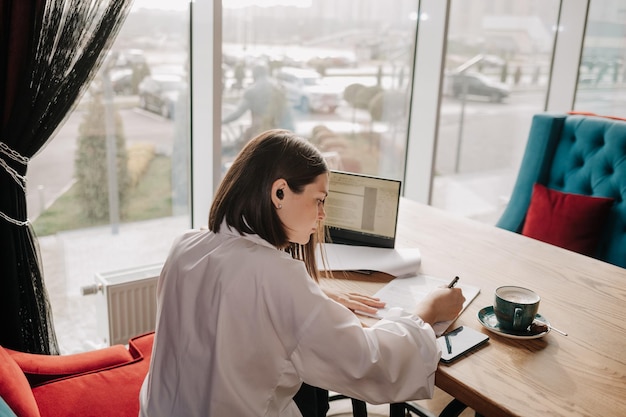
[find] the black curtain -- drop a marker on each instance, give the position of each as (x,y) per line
(49,52)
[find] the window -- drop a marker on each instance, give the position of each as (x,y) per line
(337,73)
(497,70)
(345,75)
(80,236)
(602,76)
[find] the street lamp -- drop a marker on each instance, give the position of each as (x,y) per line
(109,131)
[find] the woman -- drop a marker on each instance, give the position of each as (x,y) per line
(241,320)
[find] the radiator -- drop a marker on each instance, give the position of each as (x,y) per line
(126,302)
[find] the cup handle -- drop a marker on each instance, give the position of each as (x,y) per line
(517,317)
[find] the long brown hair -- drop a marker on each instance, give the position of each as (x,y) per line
(243,198)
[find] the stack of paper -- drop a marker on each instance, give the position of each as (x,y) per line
(396,262)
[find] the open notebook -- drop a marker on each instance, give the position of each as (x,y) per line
(402,295)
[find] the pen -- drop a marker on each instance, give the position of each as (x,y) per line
(448,345)
(453,283)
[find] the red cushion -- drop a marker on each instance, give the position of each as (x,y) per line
(41,368)
(14,388)
(141,345)
(113,391)
(571,221)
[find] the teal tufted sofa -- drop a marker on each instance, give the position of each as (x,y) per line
(581,154)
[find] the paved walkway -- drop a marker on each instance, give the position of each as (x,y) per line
(72,259)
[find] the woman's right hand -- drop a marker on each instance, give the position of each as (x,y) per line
(441,304)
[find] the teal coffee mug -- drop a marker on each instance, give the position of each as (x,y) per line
(515,307)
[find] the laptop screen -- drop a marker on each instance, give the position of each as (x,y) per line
(362,209)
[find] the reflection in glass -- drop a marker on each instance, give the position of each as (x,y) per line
(497,65)
(602,75)
(338,75)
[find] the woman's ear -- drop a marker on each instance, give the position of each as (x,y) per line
(278,192)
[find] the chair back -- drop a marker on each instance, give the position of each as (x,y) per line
(580,154)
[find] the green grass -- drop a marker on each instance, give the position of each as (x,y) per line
(150,199)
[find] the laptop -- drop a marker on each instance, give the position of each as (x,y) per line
(362,209)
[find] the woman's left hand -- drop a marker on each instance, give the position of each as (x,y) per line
(355,301)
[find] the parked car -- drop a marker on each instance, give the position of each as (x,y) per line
(122,81)
(128,58)
(159,93)
(479,85)
(306,90)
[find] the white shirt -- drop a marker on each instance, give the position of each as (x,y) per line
(240,325)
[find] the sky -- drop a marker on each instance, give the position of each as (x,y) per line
(161,4)
(182,4)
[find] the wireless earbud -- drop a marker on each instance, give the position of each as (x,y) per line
(280,194)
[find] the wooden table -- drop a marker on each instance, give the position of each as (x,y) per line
(583,374)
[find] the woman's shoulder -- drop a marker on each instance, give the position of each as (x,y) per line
(191,235)
(270,260)
(248,251)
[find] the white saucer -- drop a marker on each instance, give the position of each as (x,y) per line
(487,318)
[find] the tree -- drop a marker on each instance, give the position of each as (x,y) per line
(140,71)
(91,161)
(359,96)
(350,93)
(365,96)
(388,106)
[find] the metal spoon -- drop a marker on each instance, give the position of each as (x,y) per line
(550,327)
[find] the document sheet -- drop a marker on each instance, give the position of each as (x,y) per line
(401,295)
(397,262)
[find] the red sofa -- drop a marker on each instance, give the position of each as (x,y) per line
(103,382)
